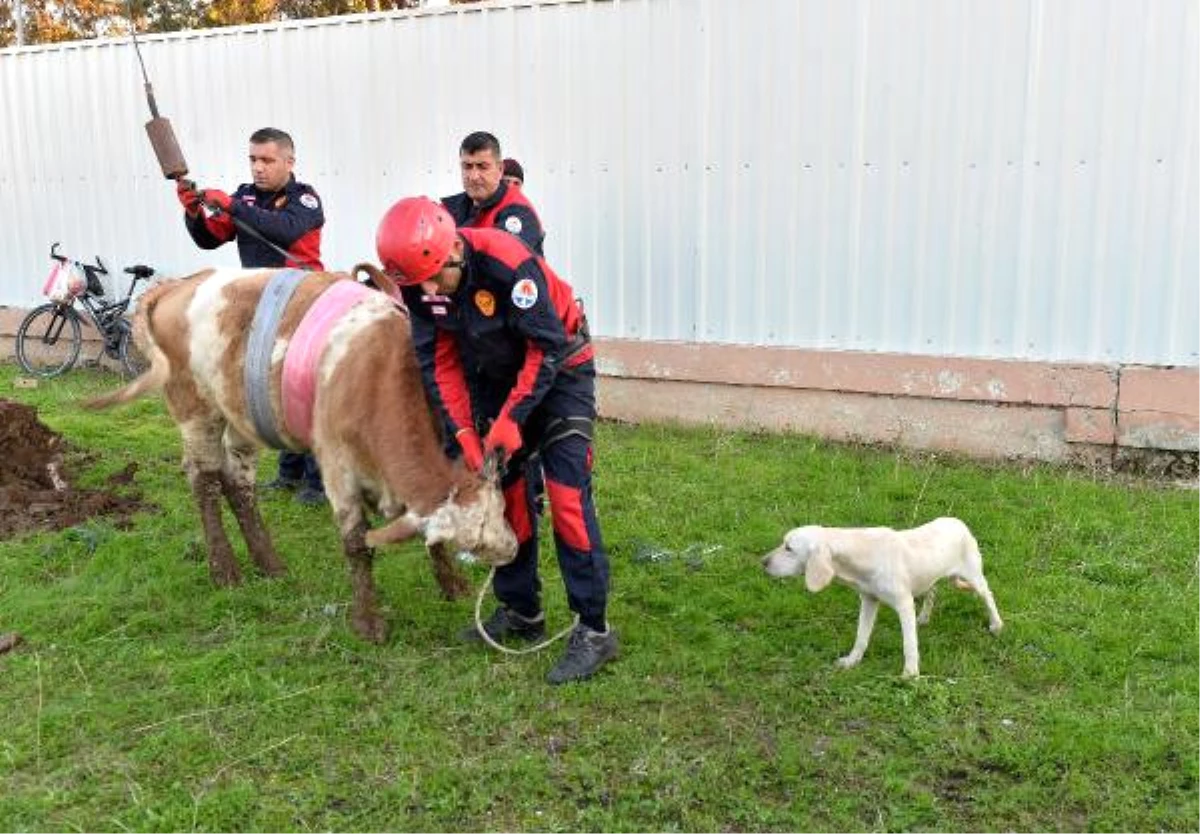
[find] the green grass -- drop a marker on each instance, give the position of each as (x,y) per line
(144,699)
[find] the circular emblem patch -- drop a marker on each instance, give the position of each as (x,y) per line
(524,294)
(486,302)
(309,200)
(513,224)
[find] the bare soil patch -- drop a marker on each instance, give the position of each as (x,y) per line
(36,490)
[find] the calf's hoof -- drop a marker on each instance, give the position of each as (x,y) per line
(274,570)
(225,576)
(370,627)
(455,587)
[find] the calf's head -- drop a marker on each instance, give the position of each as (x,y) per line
(472,519)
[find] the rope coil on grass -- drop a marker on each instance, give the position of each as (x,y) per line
(487,638)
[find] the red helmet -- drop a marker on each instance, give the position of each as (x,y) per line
(414,239)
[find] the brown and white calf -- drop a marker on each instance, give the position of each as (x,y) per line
(363,413)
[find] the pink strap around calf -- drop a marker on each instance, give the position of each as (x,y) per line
(299,385)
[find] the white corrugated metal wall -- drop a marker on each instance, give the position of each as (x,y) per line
(985,178)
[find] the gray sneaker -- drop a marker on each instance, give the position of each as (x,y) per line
(506,624)
(587,651)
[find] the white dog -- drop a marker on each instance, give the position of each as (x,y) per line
(889,566)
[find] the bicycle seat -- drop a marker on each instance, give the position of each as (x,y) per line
(140,271)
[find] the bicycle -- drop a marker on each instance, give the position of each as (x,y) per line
(50,337)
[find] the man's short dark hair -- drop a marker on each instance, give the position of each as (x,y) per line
(273,134)
(478,141)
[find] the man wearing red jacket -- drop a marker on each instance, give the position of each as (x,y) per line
(504,352)
(280,214)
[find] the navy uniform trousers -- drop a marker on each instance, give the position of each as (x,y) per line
(557,439)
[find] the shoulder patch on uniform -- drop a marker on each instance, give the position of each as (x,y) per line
(309,200)
(513,224)
(486,302)
(524,293)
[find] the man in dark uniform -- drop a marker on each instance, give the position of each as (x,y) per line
(487,200)
(284,215)
(504,352)
(490,199)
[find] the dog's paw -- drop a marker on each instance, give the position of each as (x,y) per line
(911,674)
(996,627)
(847,662)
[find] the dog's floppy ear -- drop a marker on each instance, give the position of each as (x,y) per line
(818,573)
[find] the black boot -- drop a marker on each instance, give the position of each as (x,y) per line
(505,624)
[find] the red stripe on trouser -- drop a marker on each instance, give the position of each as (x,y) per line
(566,510)
(516,510)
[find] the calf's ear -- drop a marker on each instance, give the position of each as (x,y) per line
(398,530)
(819,571)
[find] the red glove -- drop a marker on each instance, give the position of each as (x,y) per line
(188,196)
(468,441)
(504,436)
(217,199)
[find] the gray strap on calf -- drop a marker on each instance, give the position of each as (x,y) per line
(259,345)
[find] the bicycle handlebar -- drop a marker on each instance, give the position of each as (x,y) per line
(62,259)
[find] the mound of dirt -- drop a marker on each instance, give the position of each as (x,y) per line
(35,488)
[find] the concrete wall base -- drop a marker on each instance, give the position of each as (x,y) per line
(1127,418)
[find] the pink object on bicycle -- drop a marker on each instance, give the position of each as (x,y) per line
(64,282)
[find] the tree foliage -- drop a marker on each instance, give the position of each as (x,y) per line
(53,21)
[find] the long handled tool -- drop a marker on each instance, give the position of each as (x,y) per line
(170,156)
(162,137)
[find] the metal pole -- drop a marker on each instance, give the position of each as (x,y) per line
(19,20)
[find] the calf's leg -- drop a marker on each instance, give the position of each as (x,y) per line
(222,566)
(364,611)
(202,459)
(450,578)
(237,483)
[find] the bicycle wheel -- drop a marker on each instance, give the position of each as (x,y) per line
(133,362)
(48,340)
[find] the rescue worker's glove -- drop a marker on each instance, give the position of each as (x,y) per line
(472,449)
(504,436)
(214,198)
(189,197)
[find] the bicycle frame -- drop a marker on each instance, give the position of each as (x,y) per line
(105,316)
(49,338)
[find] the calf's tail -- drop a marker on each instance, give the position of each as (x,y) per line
(154,377)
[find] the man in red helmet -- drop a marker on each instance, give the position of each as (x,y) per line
(487,199)
(504,351)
